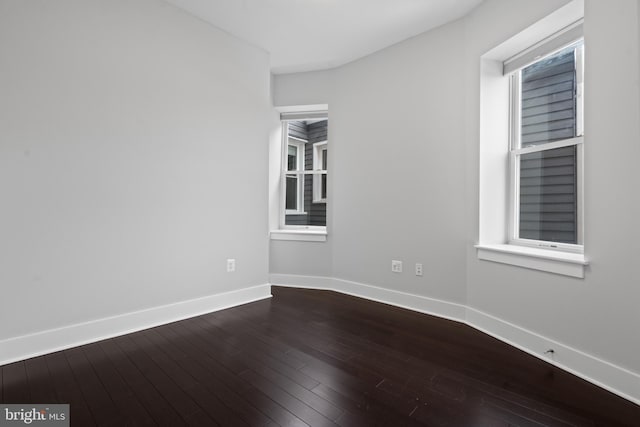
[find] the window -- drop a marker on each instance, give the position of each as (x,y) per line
(546,150)
(304,171)
(294,195)
(320,164)
(530,147)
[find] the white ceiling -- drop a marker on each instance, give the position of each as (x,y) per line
(305,35)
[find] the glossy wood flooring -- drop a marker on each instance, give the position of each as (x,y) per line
(311,358)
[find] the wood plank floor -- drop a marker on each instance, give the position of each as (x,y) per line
(312,358)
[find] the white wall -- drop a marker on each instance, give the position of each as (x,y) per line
(394,124)
(133,157)
(404,126)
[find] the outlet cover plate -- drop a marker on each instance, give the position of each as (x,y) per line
(396,266)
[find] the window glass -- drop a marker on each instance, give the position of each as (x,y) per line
(548,99)
(292,158)
(292,192)
(547,149)
(305,184)
(548,195)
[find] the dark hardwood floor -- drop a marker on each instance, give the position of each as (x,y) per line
(312,358)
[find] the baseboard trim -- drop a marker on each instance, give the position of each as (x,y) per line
(27,346)
(436,307)
(304,282)
(613,378)
(440,308)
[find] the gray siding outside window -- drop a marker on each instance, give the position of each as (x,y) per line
(298,130)
(548,179)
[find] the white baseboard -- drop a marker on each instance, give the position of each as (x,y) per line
(305,282)
(27,346)
(611,377)
(445,309)
(436,307)
(604,374)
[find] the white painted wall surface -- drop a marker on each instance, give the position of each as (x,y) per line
(301,258)
(133,157)
(310,88)
(395,130)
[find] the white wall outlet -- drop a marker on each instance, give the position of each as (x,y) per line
(231,265)
(418,269)
(396,266)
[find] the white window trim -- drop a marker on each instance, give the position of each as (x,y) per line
(318,148)
(564,263)
(300,235)
(580,91)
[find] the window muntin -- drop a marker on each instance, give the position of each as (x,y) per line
(546,151)
(304,173)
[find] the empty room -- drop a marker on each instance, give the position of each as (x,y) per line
(319,213)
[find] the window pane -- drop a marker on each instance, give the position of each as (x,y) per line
(292,193)
(323,191)
(548,195)
(292,158)
(312,214)
(548,99)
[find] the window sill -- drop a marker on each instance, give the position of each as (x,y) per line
(299,235)
(564,263)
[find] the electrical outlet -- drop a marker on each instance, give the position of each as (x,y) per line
(231,265)
(418,269)
(396,266)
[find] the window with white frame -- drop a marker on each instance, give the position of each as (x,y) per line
(304,171)
(546,147)
(320,165)
(294,195)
